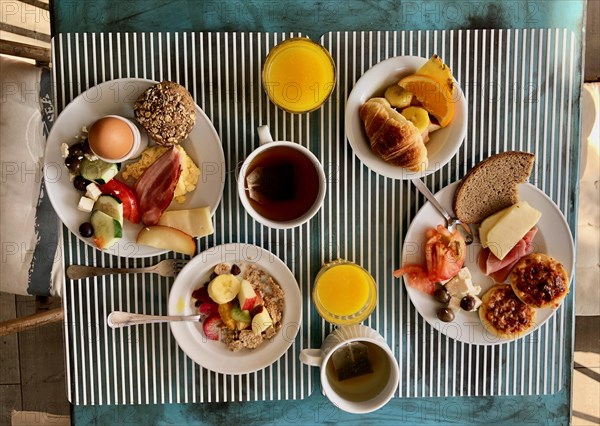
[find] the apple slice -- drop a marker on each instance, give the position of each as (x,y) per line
(247,296)
(261,321)
(165,237)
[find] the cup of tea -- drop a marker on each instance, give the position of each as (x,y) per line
(281,184)
(344,293)
(359,373)
(298,75)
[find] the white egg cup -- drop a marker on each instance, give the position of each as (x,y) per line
(140,141)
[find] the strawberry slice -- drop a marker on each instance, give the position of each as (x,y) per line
(212,326)
(208,308)
(416,276)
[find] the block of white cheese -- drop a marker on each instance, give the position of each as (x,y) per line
(85,204)
(502,231)
(194,222)
(462,285)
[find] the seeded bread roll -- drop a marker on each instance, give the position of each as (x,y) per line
(492,185)
(167,112)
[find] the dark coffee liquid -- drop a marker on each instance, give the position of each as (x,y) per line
(285,184)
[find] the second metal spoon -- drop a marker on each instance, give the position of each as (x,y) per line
(118,319)
(451,221)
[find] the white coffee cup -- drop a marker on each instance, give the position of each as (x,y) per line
(266,143)
(375,390)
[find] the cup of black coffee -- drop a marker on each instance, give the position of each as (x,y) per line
(281,184)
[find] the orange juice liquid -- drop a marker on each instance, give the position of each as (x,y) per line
(344,293)
(299,75)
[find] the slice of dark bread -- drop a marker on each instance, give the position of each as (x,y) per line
(491,185)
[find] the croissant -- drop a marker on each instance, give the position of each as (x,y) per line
(395,139)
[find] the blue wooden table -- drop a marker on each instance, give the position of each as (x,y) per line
(315,18)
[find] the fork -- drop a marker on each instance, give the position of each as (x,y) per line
(164,268)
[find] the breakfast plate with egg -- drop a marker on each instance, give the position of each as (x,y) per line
(67,176)
(553,238)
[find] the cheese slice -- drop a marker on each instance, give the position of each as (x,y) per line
(507,227)
(195,222)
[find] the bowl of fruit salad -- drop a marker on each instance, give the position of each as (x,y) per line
(250,307)
(418,122)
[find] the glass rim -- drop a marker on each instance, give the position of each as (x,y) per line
(274,50)
(356,317)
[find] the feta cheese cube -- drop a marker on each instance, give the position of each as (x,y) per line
(64,150)
(93,191)
(458,287)
(85,204)
(454,304)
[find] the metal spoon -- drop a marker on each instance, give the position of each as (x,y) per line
(451,221)
(118,319)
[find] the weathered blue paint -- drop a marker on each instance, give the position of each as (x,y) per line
(315,18)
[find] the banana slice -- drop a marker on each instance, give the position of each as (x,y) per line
(418,116)
(397,96)
(224,288)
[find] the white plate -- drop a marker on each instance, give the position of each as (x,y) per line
(553,238)
(215,355)
(442,144)
(117,97)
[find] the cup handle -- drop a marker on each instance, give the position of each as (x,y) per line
(311,357)
(264,135)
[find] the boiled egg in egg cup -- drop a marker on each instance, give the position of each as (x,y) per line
(115,139)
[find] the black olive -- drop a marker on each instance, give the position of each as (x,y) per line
(80,183)
(86,147)
(73,164)
(442,295)
(445,314)
(467,303)
(77,150)
(86,230)
(235,270)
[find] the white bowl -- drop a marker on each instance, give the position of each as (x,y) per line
(214,355)
(443,143)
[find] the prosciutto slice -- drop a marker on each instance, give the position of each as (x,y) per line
(156,186)
(499,269)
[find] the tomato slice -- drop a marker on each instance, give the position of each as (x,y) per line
(445,253)
(131,208)
(416,276)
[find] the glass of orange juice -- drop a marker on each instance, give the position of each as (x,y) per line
(344,293)
(298,75)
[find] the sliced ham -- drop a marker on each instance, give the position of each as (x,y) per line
(156,186)
(499,269)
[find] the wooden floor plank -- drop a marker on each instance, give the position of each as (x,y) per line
(9,345)
(10,399)
(42,364)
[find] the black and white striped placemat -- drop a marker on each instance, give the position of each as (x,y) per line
(363,221)
(522,92)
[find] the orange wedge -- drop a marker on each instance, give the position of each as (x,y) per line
(437,98)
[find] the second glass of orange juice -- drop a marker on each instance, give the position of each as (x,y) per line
(298,75)
(344,293)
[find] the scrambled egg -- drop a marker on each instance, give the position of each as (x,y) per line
(189,173)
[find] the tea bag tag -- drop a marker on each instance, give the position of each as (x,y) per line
(352,360)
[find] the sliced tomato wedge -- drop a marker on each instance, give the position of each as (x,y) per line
(445,253)
(131,208)
(417,277)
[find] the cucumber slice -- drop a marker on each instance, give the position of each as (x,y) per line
(98,170)
(110,205)
(107,230)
